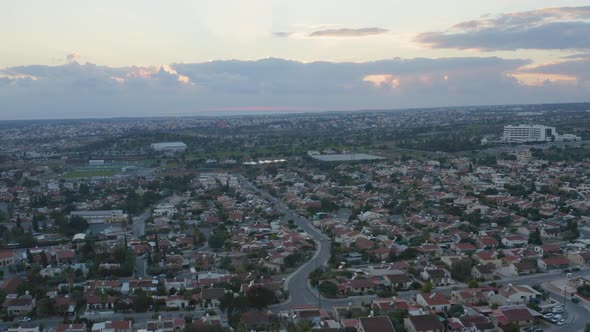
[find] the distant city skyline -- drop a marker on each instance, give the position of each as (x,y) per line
(67,59)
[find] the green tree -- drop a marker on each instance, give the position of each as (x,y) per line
(260,296)
(328,288)
(427,287)
(216,241)
(141,301)
(535,237)
(456,310)
(461,270)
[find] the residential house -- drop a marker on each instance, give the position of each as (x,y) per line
(399,281)
(522,268)
(547,249)
(463,248)
(375,324)
(516,294)
(19,306)
(71,328)
(423,323)
(175,301)
(113,326)
(7,259)
(472,296)
(579,258)
(518,315)
(437,276)
(212,297)
(483,271)
(477,323)
(358,286)
(433,301)
(552,263)
(100,303)
(488,257)
(514,241)
(487,242)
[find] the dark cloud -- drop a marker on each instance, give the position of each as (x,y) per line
(345,32)
(88,90)
(550,28)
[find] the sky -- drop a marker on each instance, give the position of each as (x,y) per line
(111,58)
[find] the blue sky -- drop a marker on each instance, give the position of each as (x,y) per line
(144,57)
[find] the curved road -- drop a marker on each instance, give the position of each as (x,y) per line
(300,292)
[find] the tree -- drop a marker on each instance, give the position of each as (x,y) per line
(427,287)
(84,189)
(216,241)
(141,301)
(473,283)
(456,310)
(535,237)
(328,288)
(512,327)
(461,270)
(260,296)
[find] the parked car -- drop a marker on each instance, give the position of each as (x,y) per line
(548,315)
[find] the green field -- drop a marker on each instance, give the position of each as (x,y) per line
(88,173)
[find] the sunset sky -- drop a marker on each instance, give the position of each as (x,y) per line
(157,58)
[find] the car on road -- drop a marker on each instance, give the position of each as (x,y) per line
(575,269)
(25,319)
(575,300)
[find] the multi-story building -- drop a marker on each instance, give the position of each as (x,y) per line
(529,133)
(169,147)
(101,217)
(534,133)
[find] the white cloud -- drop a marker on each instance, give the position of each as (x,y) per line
(88,90)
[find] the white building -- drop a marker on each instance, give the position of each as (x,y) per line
(534,133)
(95,163)
(169,147)
(101,217)
(529,133)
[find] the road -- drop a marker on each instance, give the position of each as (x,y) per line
(578,314)
(138,229)
(297,282)
(140,319)
(138,226)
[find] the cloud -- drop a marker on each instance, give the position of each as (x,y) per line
(72,56)
(571,70)
(89,90)
(282,34)
(549,28)
(346,32)
(577,56)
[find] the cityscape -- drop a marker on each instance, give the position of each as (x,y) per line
(308,166)
(352,220)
